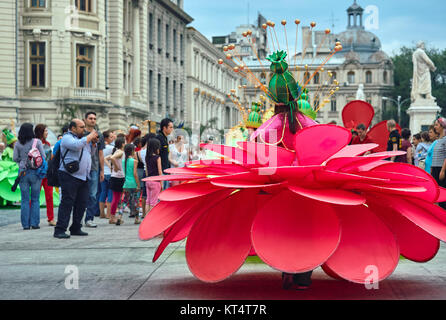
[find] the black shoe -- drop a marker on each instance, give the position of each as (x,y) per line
(132,216)
(26,228)
(35,227)
(61,235)
(79,233)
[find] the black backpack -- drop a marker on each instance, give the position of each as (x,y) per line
(53,168)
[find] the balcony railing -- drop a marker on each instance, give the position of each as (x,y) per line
(83,93)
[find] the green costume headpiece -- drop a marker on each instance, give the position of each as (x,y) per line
(284,90)
(254,120)
(10,137)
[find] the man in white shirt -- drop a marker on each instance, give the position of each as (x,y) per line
(106,196)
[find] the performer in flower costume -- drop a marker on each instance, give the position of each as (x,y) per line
(301,199)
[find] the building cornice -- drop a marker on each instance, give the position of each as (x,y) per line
(173,8)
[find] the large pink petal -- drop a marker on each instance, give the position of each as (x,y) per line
(441,195)
(431,186)
(396,189)
(357,112)
(162,216)
(354,150)
(346,164)
(316,144)
(219,241)
(295,234)
(415,243)
(245,180)
(173,177)
(338,178)
(182,227)
(208,170)
(237,154)
(427,216)
(267,155)
(366,242)
(333,196)
(288,173)
(188,191)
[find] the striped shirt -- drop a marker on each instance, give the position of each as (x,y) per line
(439,154)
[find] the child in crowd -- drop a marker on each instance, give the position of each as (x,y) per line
(153,168)
(117,178)
(131,185)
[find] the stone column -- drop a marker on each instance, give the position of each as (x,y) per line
(136,53)
(422,112)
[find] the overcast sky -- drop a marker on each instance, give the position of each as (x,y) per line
(400,22)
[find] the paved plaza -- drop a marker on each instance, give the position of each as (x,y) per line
(113,264)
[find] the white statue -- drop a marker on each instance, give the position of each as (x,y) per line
(360,95)
(422,65)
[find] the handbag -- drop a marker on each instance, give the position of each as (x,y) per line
(73,166)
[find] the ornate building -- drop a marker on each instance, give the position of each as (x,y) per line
(124,59)
(360,62)
(208,84)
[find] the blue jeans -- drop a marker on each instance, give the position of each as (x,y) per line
(106,192)
(30,215)
(92,206)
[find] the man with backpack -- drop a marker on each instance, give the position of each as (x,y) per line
(74,173)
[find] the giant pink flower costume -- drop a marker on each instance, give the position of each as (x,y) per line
(314,202)
(333,208)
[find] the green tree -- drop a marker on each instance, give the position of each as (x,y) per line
(403,73)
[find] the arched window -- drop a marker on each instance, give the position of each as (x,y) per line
(316,78)
(368,77)
(333,104)
(351,77)
(306,77)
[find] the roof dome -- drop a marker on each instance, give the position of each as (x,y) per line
(359,40)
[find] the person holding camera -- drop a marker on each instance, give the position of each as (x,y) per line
(74,174)
(29,177)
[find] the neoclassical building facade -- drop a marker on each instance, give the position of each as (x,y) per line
(123,59)
(208,83)
(360,62)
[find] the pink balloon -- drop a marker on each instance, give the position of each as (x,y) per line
(162,216)
(300,238)
(415,244)
(367,250)
(316,144)
(332,196)
(182,227)
(270,156)
(188,191)
(219,241)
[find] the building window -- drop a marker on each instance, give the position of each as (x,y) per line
(84,5)
(159,92)
(385,77)
(37,64)
(38,3)
(368,77)
(333,77)
(167,95)
(151,85)
(306,77)
(174,43)
(351,77)
(181,48)
(174,93)
(316,78)
(127,77)
(150,32)
(333,104)
(84,66)
(159,35)
(167,39)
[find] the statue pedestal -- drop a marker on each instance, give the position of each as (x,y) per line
(423,113)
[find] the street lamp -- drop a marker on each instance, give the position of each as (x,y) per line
(398,103)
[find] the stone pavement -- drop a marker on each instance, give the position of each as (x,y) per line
(113,264)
